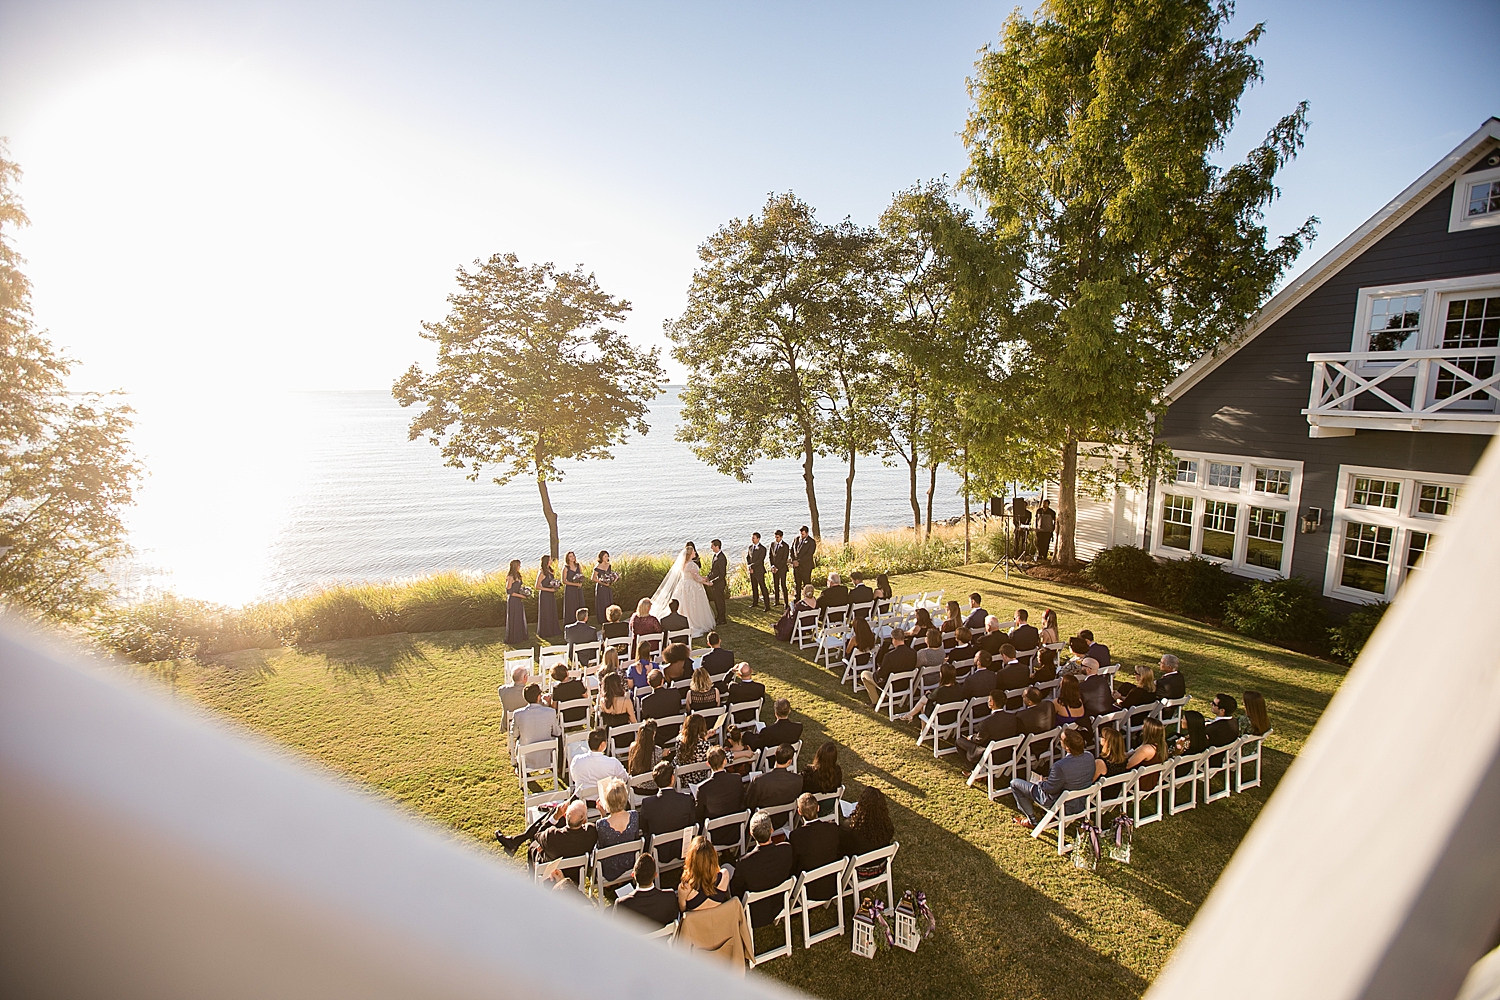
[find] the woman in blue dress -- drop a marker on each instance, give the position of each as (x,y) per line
(515,607)
(546,602)
(604,584)
(572,588)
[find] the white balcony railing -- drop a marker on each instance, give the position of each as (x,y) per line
(1453,390)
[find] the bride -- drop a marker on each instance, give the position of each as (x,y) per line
(684,581)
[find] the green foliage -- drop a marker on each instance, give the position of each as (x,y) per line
(1288,612)
(529,373)
(1347,639)
(1124,570)
(1195,587)
(66,470)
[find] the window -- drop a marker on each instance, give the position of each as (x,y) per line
(1435,499)
(1276,482)
(1367,557)
(1395,322)
(1469,323)
(1263,537)
(1484,198)
(1376,493)
(1417,544)
(1187,472)
(1476,200)
(1224,475)
(1218,528)
(1177,522)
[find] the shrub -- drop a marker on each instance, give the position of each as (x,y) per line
(1124,570)
(1286,612)
(1195,587)
(1348,638)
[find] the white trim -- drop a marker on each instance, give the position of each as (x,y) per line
(1403,520)
(1458,219)
(1393,214)
(1245,496)
(1435,296)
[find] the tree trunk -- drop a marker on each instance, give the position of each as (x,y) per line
(931,488)
(1067,503)
(551,515)
(807,479)
(911,466)
(849,495)
(966,503)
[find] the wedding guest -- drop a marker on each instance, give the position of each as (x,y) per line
(1192,737)
(674,622)
(668,811)
(739,749)
(1153,748)
(567,836)
(1022,635)
(766,866)
(780,555)
(1111,760)
(993,638)
(1014,674)
(605,579)
(639,674)
(643,623)
(883,592)
(947,692)
(1048,634)
(898,659)
(657,905)
(977,614)
(744,688)
(1171,684)
(804,555)
(824,774)
(722,794)
(923,625)
(704,884)
(676,661)
(1258,719)
(1142,692)
(869,828)
(1222,729)
(998,725)
(516,634)
(644,753)
(1074,771)
(692,742)
(1035,715)
(615,706)
(809,600)
(1046,667)
(572,579)
(834,601)
(618,824)
(952,622)
(513,695)
(535,723)
(983,678)
(1098,651)
(861,639)
(662,703)
(860,593)
(815,844)
(778,786)
(1097,696)
(1081,662)
(932,654)
(578,632)
(587,769)
(547,625)
(566,689)
(783,730)
(1068,705)
(717,660)
(615,626)
(701,692)
(963,648)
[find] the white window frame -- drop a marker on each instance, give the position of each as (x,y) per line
(1459,218)
(1403,521)
(1435,296)
(1245,496)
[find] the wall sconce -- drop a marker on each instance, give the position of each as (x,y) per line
(1312,520)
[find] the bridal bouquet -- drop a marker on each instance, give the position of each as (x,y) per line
(607,577)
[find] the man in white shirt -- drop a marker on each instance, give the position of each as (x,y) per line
(586,769)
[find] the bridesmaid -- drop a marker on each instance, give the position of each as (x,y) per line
(572,588)
(516,635)
(546,601)
(604,586)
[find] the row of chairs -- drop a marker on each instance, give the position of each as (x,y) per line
(884,615)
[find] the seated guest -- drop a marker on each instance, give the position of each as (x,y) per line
(662,703)
(579,633)
(587,769)
(1142,692)
(692,741)
(615,626)
(814,845)
(668,811)
(638,676)
(983,678)
(1222,729)
(717,660)
(1171,683)
(704,884)
(993,638)
(1013,674)
(1080,663)
(618,824)
(1048,634)
(922,626)
(1022,636)
(965,648)
(783,730)
(676,661)
(644,753)
(808,601)
(1257,719)
(744,688)
(932,654)
(998,725)
(977,614)
(1074,771)
(741,753)
(947,692)
(1068,705)
(950,624)
(1098,699)
(765,866)
(535,723)
(1192,738)
(883,591)
(657,905)
(860,593)
(643,623)
(713,921)
(868,829)
(564,690)
(615,706)
(1046,667)
(824,775)
(900,659)
(862,638)
(1153,748)
(777,786)
(701,692)
(834,599)
(1035,715)
(673,622)
(563,833)
(513,695)
(1111,760)
(1097,651)
(723,793)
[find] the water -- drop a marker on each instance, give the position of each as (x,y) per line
(252,498)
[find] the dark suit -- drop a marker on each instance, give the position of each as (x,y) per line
(775,787)
(1100,652)
(1025,637)
(1035,718)
(815,845)
(720,795)
(667,812)
(1043,673)
(657,905)
(1097,696)
(779,732)
(1171,685)
(718,585)
(898,660)
(743,691)
(570,691)
(1221,731)
(804,551)
(764,867)
(862,595)
(991,642)
(780,554)
(718,660)
(675,623)
(975,621)
(755,562)
(1013,676)
(578,633)
(561,842)
(834,599)
(980,683)
(663,703)
(996,726)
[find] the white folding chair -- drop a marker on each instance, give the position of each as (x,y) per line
(620,739)
(805,899)
(855,883)
(686,638)
(805,633)
(1049,689)
(692,775)
(1135,720)
(897,693)
(1218,770)
(784,918)
(652,641)
(549,657)
(629,849)
(962,669)
(665,931)
(864,609)
(520,658)
(537,762)
(1118,720)
(1247,762)
(854,664)
(830,799)
(1002,760)
(580,864)
(661,840)
(942,722)
(582,710)
(1041,747)
(586,654)
(744,712)
(1183,775)
(780,816)
(832,638)
(1148,802)
(1171,714)
(1114,793)
(737,822)
(1069,807)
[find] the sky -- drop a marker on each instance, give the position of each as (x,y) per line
(241,197)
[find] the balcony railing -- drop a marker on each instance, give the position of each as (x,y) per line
(1453,390)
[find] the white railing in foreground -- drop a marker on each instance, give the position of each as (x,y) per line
(1454,385)
(147,849)
(1378,876)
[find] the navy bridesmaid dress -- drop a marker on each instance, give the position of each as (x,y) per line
(604,592)
(572,594)
(515,615)
(546,608)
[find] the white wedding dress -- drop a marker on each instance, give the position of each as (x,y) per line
(684,581)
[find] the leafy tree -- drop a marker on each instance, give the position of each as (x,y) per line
(529,374)
(1090,138)
(66,469)
(753,333)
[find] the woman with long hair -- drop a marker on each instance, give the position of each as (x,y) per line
(1111,759)
(516,634)
(1046,667)
(1153,748)
(546,601)
(1256,715)
(615,706)
(953,621)
(862,638)
(1143,691)
(1048,634)
(1068,705)
(824,775)
(572,579)
(868,829)
(692,742)
(644,753)
(701,691)
(604,585)
(704,883)
(737,747)
(923,626)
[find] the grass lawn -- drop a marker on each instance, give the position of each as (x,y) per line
(416,716)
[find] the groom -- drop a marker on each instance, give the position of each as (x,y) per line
(718,578)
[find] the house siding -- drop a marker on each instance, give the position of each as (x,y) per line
(1251,404)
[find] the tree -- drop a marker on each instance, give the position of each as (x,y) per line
(1090,138)
(756,322)
(529,374)
(66,469)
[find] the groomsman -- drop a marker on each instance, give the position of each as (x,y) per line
(804,550)
(755,561)
(780,554)
(718,580)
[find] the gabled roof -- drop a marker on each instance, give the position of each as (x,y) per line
(1392,215)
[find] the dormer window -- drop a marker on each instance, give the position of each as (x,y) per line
(1483,198)
(1476,200)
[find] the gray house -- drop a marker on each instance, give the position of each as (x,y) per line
(1333,438)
